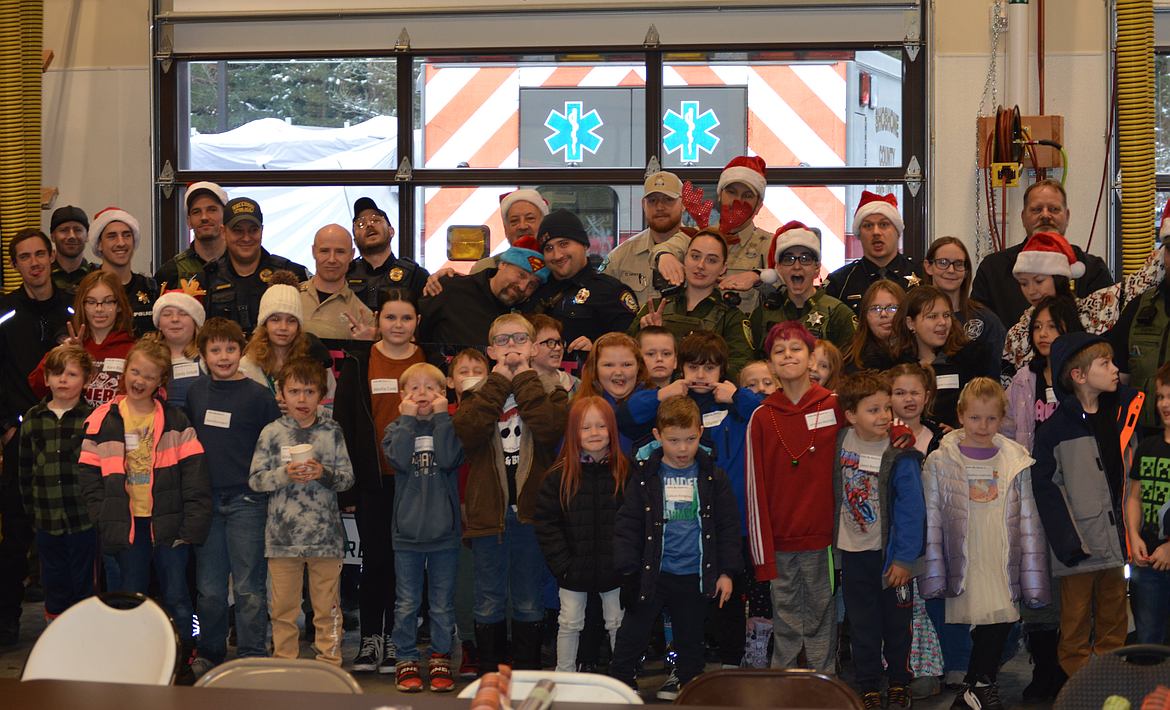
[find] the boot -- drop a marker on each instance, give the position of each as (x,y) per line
(526,645)
(1047,668)
(492,642)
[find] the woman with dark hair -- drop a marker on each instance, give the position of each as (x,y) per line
(948,268)
(872,345)
(927,333)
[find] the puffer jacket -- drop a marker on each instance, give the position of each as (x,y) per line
(180,485)
(1019,423)
(944,483)
(577,541)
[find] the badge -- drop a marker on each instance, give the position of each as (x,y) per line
(751,253)
(814,318)
(628,301)
(974,328)
(912,280)
(265,275)
(583,295)
(143,298)
(396,274)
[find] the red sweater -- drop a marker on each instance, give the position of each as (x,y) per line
(104,385)
(790,508)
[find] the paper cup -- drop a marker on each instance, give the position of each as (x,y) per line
(301,453)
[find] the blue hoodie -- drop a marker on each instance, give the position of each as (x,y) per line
(425,455)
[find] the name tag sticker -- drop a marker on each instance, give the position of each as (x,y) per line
(821,419)
(948,382)
(114,364)
(1049,395)
(384,386)
(183,370)
(980,473)
(285,454)
(711,419)
(131,440)
(869,463)
(222,420)
(424,443)
(679,494)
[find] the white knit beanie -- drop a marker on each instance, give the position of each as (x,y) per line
(281,298)
(102,219)
(184,303)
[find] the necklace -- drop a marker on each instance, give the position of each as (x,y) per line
(810,449)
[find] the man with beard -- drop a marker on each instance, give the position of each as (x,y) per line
(461,315)
(115,238)
(1045,210)
(204,202)
(630,261)
(30,318)
(521,211)
(69,228)
(878,227)
(377,269)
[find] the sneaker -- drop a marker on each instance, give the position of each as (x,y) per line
(871,699)
(406,677)
(369,655)
(441,680)
(898,696)
(34,593)
(959,702)
(10,632)
(983,696)
(389,656)
(924,687)
(955,680)
(669,689)
(201,665)
(469,666)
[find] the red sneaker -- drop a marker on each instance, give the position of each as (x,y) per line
(469,667)
(406,677)
(441,680)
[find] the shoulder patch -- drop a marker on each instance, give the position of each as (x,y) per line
(629,302)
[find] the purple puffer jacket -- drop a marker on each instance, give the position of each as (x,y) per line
(944,482)
(1019,422)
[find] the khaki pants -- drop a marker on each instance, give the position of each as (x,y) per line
(287,578)
(1091,602)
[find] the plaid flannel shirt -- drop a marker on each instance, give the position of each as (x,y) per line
(49,486)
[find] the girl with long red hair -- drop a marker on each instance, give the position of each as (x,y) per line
(575,515)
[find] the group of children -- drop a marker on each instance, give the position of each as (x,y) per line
(652,481)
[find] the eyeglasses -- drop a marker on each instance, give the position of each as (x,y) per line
(891,310)
(502,339)
(96,304)
(944,264)
(804,259)
(552,344)
(368,221)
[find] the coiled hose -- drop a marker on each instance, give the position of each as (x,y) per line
(1135,94)
(21,25)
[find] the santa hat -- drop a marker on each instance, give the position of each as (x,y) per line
(184,302)
(198,189)
(102,219)
(1164,227)
(1047,253)
(748,170)
(523,253)
(793,234)
(508,199)
(886,206)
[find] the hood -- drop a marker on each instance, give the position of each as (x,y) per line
(1064,348)
(114,341)
(816,395)
(1017,456)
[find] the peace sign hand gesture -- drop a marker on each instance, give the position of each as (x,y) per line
(74,338)
(654,315)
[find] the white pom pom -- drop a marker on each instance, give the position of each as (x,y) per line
(769,276)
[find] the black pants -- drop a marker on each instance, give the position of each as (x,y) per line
(592,636)
(731,618)
(986,651)
(17,533)
(880,619)
(688,610)
(376,596)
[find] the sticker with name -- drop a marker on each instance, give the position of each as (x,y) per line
(131,440)
(948,382)
(183,370)
(1050,395)
(285,454)
(679,494)
(711,419)
(221,420)
(424,443)
(114,364)
(384,385)
(980,472)
(869,463)
(821,419)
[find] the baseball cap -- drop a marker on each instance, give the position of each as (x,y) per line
(666,183)
(241,209)
(68,213)
(365,203)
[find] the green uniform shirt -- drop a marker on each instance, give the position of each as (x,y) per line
(825,317)
(710,314)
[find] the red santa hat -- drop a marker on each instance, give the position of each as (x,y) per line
(1047,253)
(885,205)
(748,170)
(508,199)
(793,234)
(102,219)
(1164,227)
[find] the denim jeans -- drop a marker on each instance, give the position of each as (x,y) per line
(1152,600)
(572,620)
(440,568)
(68,568)
(510,561)
(954,640)
(235,549)
(170,563)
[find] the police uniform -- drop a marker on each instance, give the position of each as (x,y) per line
(68,280)
(825,317)
(588,304)
(236,297)
(746,255)
(326,317)
(142,292)
(185,265)
(368,281)
(712,314)
(1141,344)
(849,283)
(630,264)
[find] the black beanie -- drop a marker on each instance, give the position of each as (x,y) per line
(561,223)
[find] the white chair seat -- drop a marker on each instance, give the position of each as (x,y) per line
(280,674)
(571,688)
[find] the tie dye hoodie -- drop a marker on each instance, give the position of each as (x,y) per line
(303,518)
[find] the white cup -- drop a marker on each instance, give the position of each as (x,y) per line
(301,453)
